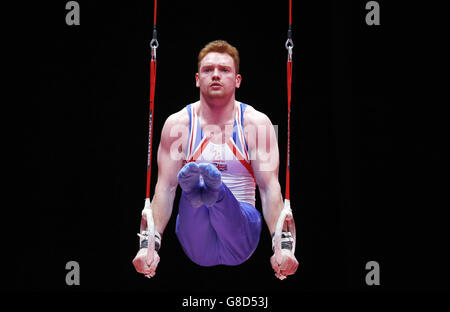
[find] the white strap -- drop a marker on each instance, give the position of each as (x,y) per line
(285,216)
(147,214)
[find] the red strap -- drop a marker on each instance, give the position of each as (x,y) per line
(151,112)
(154,15)
(290,12)
(289,82)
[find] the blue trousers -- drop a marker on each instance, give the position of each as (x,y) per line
(225,233)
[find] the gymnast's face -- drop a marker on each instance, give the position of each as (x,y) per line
(217,76)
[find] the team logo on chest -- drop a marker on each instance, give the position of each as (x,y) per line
(218,159)
(221,165)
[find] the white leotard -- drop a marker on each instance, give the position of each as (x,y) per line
(231,158)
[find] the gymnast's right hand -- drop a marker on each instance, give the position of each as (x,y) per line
(141,265)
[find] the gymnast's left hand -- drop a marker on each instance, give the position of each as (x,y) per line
(141,265)
(288,265)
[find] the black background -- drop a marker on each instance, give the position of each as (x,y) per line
(369,143)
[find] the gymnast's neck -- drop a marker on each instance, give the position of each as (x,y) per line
(218,111)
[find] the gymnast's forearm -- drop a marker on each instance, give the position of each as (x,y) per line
(162,205)
(272,204)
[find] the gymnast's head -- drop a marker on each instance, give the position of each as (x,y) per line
(220,46)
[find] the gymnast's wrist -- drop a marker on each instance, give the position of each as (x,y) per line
(286,240)
(143,242)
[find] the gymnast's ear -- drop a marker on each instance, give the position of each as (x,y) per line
(238,80)
(197,84)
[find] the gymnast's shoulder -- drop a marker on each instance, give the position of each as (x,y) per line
(254,117)
(180,118)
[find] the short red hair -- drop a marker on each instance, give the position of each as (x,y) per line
(220,46)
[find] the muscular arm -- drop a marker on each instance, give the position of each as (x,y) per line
(170,160)
(169,163)
(265,163)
